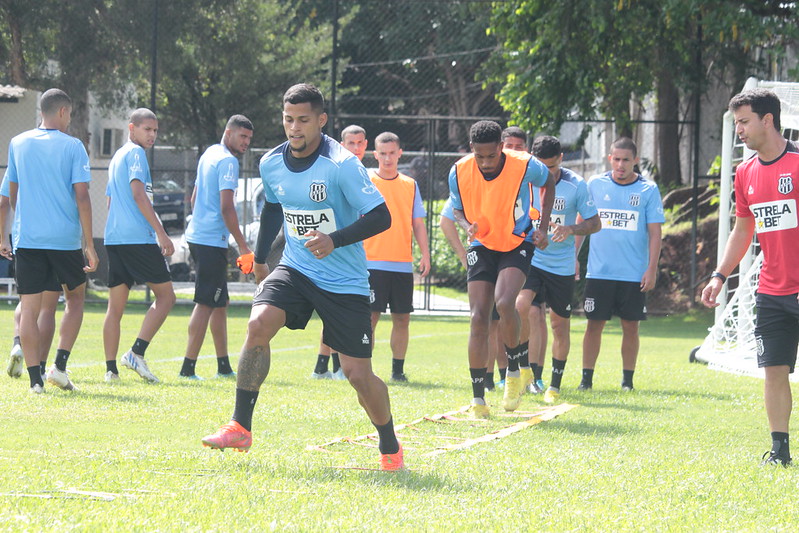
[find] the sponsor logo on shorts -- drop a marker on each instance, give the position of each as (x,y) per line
(371,296)
(619,219)
(785,184)
(318,192)
(217,294)
(569,307)
(589,305)
(523,253)
(760,349)
(635,200)
(774,216)
(471,258)
(365,339)
(560,203)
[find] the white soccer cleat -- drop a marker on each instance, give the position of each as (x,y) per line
(60,379)
(338,375)
(137,363)
(110,377)
(326,375)
(16,362)
(37,389)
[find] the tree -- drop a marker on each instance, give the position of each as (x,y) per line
(590,59)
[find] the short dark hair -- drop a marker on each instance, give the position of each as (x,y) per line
(762,101)
(352,129)
(54,99)
(305,92)
(238,121)
(624,143)
(388,137)
(546,146)
(485,131)
(140,115)
(514,131)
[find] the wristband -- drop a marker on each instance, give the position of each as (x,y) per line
(717,274)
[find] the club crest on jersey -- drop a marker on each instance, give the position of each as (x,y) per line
(635,200)
(785,185)
(588,306)
(318,192)
(560,204)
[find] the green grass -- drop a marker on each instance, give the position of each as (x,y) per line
(679,453)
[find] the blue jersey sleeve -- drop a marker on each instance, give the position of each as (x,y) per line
(5,188)
(11,171)
(537,172)
(418,207)
(585,203)
(454,193)
(446,211)
(228,173)
(81,170)
(135,161)
(357,188)
(654,206)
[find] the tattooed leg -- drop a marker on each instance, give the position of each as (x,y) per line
(265,322)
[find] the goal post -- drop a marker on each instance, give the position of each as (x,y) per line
(730,344)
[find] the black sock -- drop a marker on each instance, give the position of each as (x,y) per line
(223,365)
(61,358)
(478,382)
(779,444)
(557,372)
(513,358)
(35,376)
(140,346)
(627,378)
(336,362)
(588,376)
(321,364)
(43,367)
(489,379)
(16,341)
(524,354)
(502,372)
(397,366)
(188,367)
(538,371)
(111,366)
(388,439)
(245,405)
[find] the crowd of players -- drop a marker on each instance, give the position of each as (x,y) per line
(348,255)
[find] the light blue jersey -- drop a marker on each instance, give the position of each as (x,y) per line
(401,266)
(45,165)
(620,250)
(126,223)
(536,175)
(5,190)
(571,198)
(446,211)
(218,170)
(329,195)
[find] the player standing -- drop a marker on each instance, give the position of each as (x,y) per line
(490,196)
(389,255)
(552,272)
(766,200)
(317,191)
(48,173)
(622,258)
(353,138)
(136,243)
(213,220)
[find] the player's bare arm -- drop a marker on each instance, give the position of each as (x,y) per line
(227,203)
(540,238)
(581,228)
(146,209)
(85,214)
(470,228)
(651,274)
(5,245)
(453,238)
(420,234)
(734,251)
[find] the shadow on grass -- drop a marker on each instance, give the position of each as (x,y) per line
(589,428)
(417,477)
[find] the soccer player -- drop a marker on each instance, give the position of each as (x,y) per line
(552,272)
(622,258)
(389,255)
(136,243)
(213,220)
(766,200)
(48,173)
(353,138)
(490,196)
(317,191)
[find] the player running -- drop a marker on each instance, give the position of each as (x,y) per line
(766,200)
(136,243)
(622,258)
(48,173)
(316,190)
(490,196)
(552,272)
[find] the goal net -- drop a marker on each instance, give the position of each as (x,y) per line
(730,344)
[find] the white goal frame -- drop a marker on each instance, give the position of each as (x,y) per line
(730,344)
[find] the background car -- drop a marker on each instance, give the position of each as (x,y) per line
(169,201)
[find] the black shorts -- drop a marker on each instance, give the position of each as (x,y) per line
(392,289)
(606,297)
(210,267)
(46,270)
(346,318)
(554,289)
(484,264)
(777,330)
(136,263)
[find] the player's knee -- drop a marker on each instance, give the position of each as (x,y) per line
(506,307)
(401,320)
(166,299)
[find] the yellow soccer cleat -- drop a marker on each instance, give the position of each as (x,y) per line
(477,410)
(526,374)
(552,395)
(514,388)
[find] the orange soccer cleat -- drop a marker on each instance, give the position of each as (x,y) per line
(245,262)
(231,435)
(391,462)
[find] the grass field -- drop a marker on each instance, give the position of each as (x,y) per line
(679,453)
